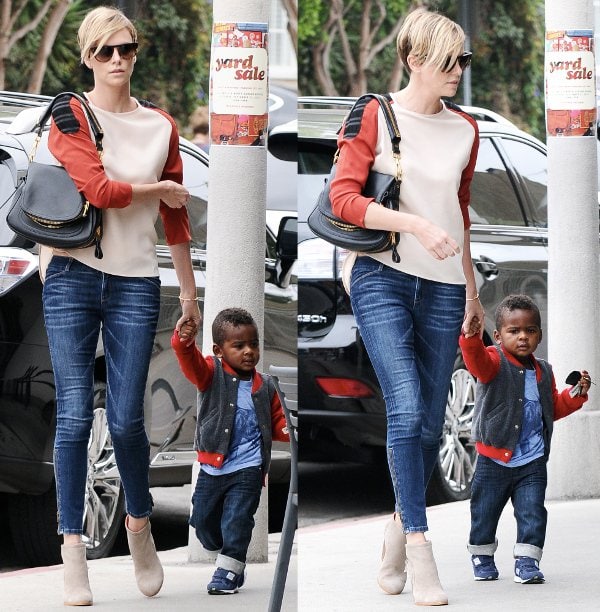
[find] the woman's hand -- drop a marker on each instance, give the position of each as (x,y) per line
(474,318)
(189,323)
(584,382)
(437,241)
(173,194)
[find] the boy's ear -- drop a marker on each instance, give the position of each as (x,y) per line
(497,338)
(217,350)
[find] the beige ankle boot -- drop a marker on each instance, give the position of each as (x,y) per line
(426,587)
(77,590)
(392,573)
(148,570)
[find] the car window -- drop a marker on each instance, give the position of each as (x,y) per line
(493,198)
(531,164)
(314,166)
(195,178)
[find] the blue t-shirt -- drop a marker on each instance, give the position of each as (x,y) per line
(245,442)
(531,441)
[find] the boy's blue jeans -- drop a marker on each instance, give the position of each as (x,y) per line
(410,328)
(79,302)
(493,485)
(223,511)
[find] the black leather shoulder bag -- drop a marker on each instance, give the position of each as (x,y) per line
(47,208)
(385,188)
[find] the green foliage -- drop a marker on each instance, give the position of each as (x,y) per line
(312,31)
(172,69)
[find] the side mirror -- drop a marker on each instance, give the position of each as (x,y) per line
(286,249)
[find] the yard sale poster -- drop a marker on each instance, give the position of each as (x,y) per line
(570,83)
(239,86)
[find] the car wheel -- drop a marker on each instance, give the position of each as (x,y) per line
(104,498)
(32,524)
(452,475)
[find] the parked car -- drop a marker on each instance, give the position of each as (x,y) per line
(342,412)
(27,395)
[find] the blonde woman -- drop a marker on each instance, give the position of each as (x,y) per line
(410,313)
(138,177)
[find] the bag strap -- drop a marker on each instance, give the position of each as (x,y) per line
(97,131)
(392,125)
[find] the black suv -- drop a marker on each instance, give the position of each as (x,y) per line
(27,399)
(342,412)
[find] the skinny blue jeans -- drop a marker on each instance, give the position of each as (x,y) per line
(493,485)
(410,328)
(79,303)
(223,511)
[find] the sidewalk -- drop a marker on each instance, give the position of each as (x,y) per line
(339,562)
(184,589)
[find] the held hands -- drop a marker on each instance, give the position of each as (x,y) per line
(189,323)
(474,317)
(173,194)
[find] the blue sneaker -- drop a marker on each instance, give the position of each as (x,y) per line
(527,571)
(225,582)
(484,567)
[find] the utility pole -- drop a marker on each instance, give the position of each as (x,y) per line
(235,263)
(573,255)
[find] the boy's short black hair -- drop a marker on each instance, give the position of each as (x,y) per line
(516,302)
(230,317)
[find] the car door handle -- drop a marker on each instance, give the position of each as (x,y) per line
(487,267)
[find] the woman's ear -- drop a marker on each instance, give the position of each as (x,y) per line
(413,63)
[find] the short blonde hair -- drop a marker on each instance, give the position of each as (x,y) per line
(98,26)
(431,38)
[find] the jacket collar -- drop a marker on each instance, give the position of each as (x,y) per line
(256,377)
(516,362)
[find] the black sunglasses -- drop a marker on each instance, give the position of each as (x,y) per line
(464,59)
(126,51)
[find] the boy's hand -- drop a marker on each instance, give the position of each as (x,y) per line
(188,330)
(471,327)
(585,382)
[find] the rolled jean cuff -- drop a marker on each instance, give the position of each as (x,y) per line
(527,550)
(230,564)
(483,549)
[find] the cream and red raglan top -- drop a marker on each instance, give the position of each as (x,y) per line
(140,146)
(438,156)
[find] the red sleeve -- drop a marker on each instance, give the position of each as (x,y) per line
(464,191)
(356,156)
(196,368)
(481,361)
(77,152)
(564,404)
(175,220)
(278,423)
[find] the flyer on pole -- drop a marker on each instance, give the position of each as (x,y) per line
(570,83)
(239,85)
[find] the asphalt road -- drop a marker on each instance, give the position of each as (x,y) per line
(330,491)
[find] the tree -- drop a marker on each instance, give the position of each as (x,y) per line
(343,43)
(291,9)
(346,48)
(53,24)
(13,28)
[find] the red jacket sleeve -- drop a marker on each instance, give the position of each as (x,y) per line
(464,191)
(175,220)
(481,361)
(356,156)
(196,368)
(564,404)
(76,151)
(278,423)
